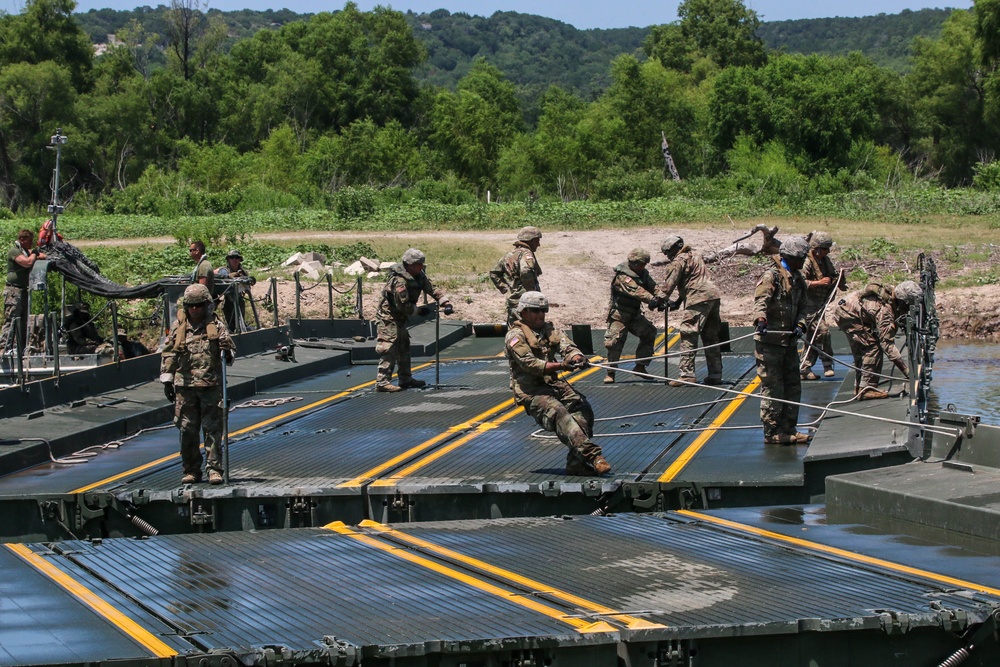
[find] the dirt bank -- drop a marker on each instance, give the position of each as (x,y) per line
(578,266)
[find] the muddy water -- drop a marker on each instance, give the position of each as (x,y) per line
(967,376)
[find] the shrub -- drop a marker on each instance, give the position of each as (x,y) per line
(355,202)
(622,183)
(986,176)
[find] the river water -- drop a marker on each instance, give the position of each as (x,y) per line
(967,376)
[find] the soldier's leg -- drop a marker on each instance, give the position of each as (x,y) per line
(826,344)
(871,362)
(386,349)
(187,418)
(792,391)
(403,350)
(644,330)
(771,385)
(711,326)
(15,306)
(582,412)
(553,416)
(511,316)
(614,341)
(211,425)
(689,328)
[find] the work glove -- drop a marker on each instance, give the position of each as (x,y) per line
(447,308)
(761,327)
(169,391)
(577,363)
(230,357)
(674,305)
(798,332)
(657,304)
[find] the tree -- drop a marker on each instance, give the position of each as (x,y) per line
(724,31)
(192,37)
(47,31)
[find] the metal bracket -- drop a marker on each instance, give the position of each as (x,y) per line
(201,517)
(342,654)
(968,422)
(893,622)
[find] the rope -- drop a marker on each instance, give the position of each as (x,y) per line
(891,378)
(92,319)
(680,354)
(266,402)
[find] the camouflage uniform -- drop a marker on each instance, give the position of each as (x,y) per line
(192,361)
(399,301)
(551,401)
(82,335)
(780,299)
(516,273)
(629,290)
(15,299)
(817,329)
(687,273)
(868,319)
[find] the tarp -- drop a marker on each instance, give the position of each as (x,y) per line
(70,261)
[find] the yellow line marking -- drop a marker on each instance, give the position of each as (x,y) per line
(476,423)
(581,626)
(692,450)
(843,553)
(140,634)
(631,622)
(266,422)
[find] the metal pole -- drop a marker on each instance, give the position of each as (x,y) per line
(666,340)
(55,348)
(437,346)
(253,308)
(298,296)
(225,420)
(274,299)
(57,140)
(329,290)
(361,301)
(62,302)
(19,344)
(114,330)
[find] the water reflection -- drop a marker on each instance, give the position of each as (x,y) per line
(967,375)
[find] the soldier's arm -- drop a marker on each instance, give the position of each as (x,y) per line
(570,352)
(226,341)
(762,296)
(496,275)
(433,292)
(887,333)
(168,358)
(521,356)
(528,273)
(670,280)
(400,296)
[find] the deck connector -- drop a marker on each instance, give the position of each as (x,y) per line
(342,654)
(199,515)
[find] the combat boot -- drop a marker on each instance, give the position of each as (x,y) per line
(577,467)
(601,466)
(682,382)
(610,379)
(412,384)
(829,373)
(639,368)
(388,388)
(712,381)
(872,394)
(808,375)
(214,477)
(190,478)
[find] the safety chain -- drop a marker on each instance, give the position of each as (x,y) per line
(266,402)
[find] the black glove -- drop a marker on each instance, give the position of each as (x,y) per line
(169,391)
(230,357)
(253,281)
(657,304)
(674,305)
(578,364)
(423,310)
(799,332)
(447,308)
(761,327)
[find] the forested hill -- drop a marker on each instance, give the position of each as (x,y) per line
(535,52)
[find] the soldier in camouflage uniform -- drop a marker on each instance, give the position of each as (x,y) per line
(631,287)
(821,280)
(531,348)
(20,259)
(868,317)
(779,313)
(403,287)
(517,272)
(191,373)
(687,273)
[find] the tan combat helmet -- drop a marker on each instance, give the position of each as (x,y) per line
(533,300)
(639,255)
(821,240)
(529,233)
(907,291)
(672,245)
(794,248)
(196,294)
(414,256)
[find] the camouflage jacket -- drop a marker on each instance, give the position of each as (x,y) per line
(870,311)
(528,351)
(192,355)
(629,290)
(517,272)
(687,273)
(401,292)
(817,269)
(780,299)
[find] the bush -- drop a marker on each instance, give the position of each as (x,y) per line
(448,191)
(986,176)
(355,202)
(621,183)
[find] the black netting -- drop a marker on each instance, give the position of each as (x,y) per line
(80,271)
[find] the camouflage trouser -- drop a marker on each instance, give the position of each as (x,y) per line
(512,308)
(393,347)
(701,318)
(778,369)
(618,331)
(199,409)
(867,357)
(15,304)
(817,331)
(571,419)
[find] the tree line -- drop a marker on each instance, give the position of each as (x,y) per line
(295,114)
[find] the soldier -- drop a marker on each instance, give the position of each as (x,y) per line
(203,273)
(20,258)
(687,273)
(81,334)
(234,295)
(517,272)
(191,373)
(779,313)
(631,287)
(403,287)
(868,317)
(821,280)
(531,348)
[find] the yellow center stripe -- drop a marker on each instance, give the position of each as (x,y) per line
(843,553)
(581,626)
(140,634)
(689,453)
(266,422)
(631,622)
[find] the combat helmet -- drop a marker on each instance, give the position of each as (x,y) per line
(414,256)
(907,291)
(533,300)
(234,253)
(794,248)
(529,233)
(639,255)
(821,240)
(672,244)
(196,294)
